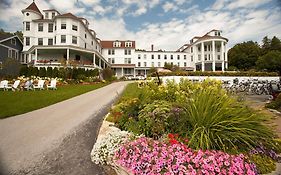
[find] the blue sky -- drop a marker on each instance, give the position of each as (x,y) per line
(167,24)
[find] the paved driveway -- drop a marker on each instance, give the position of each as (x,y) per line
(56,139)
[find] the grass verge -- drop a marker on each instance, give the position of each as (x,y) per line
(14,103)
(131,91)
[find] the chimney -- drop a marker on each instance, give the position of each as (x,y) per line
(152,47)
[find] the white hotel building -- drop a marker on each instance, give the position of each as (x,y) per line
(56,40)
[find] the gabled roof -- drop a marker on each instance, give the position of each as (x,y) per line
(68,15)
(8,36)
(33,7)
(4,36)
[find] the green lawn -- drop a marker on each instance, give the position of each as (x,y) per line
(13,103)
(131,91)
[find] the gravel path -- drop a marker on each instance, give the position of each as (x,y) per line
(57,139)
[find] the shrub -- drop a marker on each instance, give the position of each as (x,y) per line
(264,163)
(10,68)
(158,118)
(201,111)
(218,121)
(42,72)
(276,104)
(49,72)
(103,150)
(107,74)
(147,156)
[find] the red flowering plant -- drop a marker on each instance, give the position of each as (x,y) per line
(176,139)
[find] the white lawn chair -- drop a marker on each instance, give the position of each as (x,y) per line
(15,86)
(3,84)
(53,85)
(28,85)
(40,85)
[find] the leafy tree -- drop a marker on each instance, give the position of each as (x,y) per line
(270,61)
(275,44)
(107,74)
(24,70)
(244,55)
(171,67)
(20,34)
(266,45)
(10,68)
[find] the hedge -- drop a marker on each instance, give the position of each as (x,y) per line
(65,73)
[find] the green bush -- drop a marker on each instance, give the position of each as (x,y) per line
(42,72)
(219,122)
(49,72)
(276,104)
(263,162)
(108,74)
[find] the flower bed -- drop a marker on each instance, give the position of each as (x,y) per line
(147,156)
(221,131)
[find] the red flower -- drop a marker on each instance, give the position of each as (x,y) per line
(170,136)
(173,141)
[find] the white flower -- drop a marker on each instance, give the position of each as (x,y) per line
(105,147)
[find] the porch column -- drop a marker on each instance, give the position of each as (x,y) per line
(67,56)
(122,72)
(100,62)
(221,55)
(29,57)
(213,55)
(134,69)
(202,56)
(145,73)
(36,55)
(94,60)
(104,64)
(226,59)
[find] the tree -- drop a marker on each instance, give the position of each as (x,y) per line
(10,68)
(107,74)
(244,55)
(275,44)
(266,44)
(270,61)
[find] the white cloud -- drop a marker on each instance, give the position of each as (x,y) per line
(218,4)
(168,6)
(239,22)
(246,3)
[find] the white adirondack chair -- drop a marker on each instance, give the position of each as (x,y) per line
(53,85)
(40,85)
(15,86)
(28,85)
(3,84)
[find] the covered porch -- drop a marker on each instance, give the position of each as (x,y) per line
(65,57)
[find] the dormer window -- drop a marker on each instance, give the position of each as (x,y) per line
(47,15)
(117,44)
(128,44)
(53,14)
